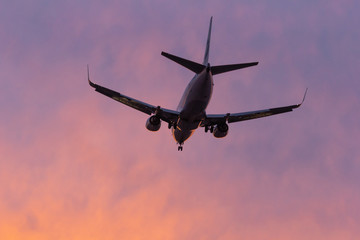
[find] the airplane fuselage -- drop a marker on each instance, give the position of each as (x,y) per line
(192,105)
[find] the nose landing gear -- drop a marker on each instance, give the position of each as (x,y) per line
(180,147)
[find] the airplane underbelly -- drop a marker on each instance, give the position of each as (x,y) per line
(193,110)
(184,130)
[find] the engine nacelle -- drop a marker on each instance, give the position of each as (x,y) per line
(221,130)
(153,123)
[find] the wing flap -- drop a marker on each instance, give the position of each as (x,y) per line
(131,102)
(165,114)
(260,113)
(213,119)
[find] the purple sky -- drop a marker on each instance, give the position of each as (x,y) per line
(77,165)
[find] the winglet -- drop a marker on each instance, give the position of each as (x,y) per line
(303,98)
(90,82)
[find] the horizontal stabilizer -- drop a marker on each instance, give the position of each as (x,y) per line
(193,66)
(227,68)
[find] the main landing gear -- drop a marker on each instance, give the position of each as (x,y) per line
(211,128)
(172,125)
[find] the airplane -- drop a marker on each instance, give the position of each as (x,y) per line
(190,113)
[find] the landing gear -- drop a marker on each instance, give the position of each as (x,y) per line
(180,147)
(172,125)
(211,128)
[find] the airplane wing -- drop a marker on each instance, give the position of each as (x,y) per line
(214,119)
(166,115)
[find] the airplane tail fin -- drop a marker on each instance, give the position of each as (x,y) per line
(193,66)
(227,68)
(206,56)
(197,67)
(222,68)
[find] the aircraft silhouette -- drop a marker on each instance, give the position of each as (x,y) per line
(190,113)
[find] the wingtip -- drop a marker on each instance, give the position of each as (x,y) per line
(90,82)
(303,100)
(304,95)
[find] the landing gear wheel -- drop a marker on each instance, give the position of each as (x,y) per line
(206,129)
(180,147)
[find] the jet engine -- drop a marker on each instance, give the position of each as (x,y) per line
(153,123)
(221,130)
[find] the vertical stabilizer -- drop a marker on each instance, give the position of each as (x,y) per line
(206,57)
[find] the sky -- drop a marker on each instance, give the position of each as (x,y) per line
(75,164)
